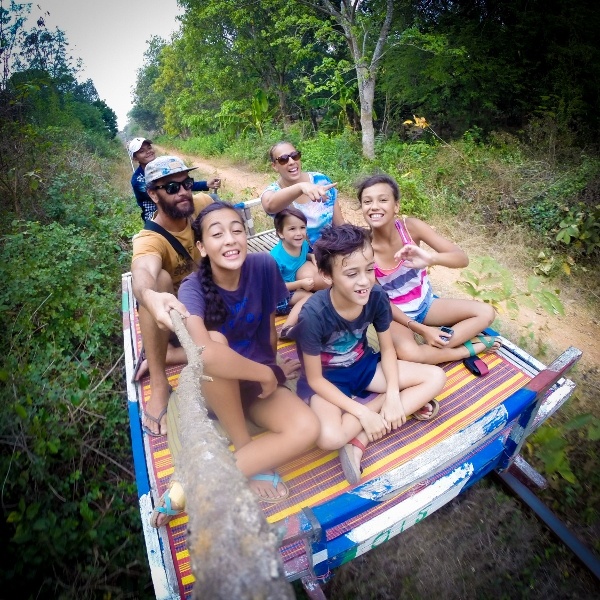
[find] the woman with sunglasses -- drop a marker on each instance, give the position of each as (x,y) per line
(311,193)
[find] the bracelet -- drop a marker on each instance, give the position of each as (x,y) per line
(408,324)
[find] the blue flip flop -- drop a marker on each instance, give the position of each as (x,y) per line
(275,479)
(164,509)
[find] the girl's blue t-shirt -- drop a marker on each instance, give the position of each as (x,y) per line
(288,264)
(248,325)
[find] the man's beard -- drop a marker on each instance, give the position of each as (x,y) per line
(173,211)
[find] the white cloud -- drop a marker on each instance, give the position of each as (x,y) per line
(110,37)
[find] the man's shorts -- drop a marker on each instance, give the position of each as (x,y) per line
(352,381)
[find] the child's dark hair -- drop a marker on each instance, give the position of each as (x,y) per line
(342,240)
(279,218)
(374,180)
(215,312)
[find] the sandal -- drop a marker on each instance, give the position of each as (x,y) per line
(487,340)
(138,363)
(284,335)
(434,411)
(165,507)
(275,479)
(473,363)
(156,420)
(352,473)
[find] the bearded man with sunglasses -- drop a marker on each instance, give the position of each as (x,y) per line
(141,150)
(157,269)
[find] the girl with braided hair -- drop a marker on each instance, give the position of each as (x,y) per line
(232,300)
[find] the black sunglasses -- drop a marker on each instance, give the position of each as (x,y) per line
(173,186)
(284,158)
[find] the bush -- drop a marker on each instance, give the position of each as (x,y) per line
(71,522)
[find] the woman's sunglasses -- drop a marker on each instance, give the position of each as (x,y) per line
(173,186)
(284,158)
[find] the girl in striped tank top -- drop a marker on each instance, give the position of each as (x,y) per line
(401,269)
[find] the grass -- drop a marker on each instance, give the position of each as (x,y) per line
(481,545)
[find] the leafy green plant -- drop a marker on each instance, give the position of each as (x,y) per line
(580,229)
(490,282)
(551,443)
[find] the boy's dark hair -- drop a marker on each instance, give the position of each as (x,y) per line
(215,311)
(374,180)
(342,240)
(279,218)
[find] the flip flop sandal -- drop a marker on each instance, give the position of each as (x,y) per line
(164,507)
(138,363)
(473,363)
(351,472)
(284,335)
(275,479)
(488,340)
(434,412)
(156,420)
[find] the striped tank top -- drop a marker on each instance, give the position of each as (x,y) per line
(409,289)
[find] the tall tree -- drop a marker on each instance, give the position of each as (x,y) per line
(147,100)
(366,26)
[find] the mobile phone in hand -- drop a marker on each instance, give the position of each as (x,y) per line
(446,333)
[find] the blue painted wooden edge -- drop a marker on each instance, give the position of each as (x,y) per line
(137,445)
(483,462)
(135,428)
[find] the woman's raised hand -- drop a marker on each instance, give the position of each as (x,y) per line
(414,257)
(315,192)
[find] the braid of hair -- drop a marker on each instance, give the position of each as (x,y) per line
(215,312)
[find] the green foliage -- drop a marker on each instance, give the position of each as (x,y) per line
(554,442)
(70,520)
(490,282)
(580,228)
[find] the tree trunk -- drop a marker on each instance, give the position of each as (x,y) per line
(366,93)
(366,71)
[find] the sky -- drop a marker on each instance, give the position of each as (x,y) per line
(110,37)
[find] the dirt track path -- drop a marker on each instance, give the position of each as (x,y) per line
(579,327)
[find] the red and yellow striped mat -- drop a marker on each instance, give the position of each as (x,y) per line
(317,476)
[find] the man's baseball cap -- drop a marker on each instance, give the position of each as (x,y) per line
(163,166)
(135,144)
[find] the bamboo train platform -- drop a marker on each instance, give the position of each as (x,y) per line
(408,474)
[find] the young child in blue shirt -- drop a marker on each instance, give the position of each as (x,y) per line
(296,264)
(338,363)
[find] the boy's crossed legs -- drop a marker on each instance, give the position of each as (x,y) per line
(419,384)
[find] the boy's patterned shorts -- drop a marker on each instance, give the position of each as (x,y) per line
(283,308)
